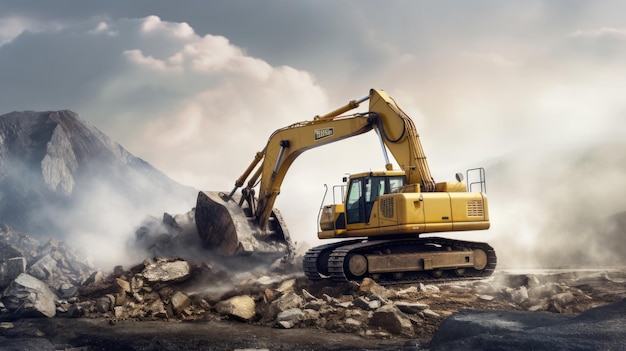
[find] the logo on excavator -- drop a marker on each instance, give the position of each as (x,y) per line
(323,133)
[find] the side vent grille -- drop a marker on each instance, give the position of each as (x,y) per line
(386,207)
(475,208)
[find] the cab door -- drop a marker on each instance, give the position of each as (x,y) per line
(355,206)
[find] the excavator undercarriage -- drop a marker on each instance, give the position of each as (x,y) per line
(406,260)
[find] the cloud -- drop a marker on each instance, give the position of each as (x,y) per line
(619,33)
(12,26)
(196,107)
(103,27)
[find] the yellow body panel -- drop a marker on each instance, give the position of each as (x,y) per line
(411,213)
(451,187)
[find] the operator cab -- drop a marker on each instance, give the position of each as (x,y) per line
(356,209)
(363,190)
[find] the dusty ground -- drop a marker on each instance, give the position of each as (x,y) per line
(591,288)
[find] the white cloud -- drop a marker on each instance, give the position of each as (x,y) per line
(154,25)
(601,32)
(103,28)
(136,56)
(12,26)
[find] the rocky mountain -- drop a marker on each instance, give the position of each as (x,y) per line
(56,169)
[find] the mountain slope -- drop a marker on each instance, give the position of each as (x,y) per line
(57,171)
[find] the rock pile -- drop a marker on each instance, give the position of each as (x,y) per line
(47,280)
(35,276)
(174,289)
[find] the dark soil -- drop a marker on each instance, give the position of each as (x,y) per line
(100,334)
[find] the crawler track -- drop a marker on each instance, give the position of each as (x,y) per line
(312,256)
(330,261)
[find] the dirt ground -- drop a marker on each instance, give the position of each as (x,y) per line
(592,288)
(100,334)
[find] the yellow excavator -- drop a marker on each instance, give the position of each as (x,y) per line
(382,219)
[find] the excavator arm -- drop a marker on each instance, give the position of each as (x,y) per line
(286,144)
(396,130)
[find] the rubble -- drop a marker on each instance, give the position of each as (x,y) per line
(289,318)
(167,271)
(411,307)
(174,289)
(180,301)
(285,302)
(392,320)
(242,307)
(27,296)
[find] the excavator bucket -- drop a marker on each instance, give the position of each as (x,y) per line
(230,229)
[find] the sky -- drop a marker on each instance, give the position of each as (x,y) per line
(196,87)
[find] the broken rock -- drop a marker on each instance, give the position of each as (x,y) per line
(156,309)
(310,317)
(543,291)
(411,307)
(390,319)
(242,307)
(28,296)
(428,313)
(520,295)
(45,269)
(563,298)
(559,301)
(179,302)
(289,318)
(429,288)
(370,287)
(283,303)
(167,271)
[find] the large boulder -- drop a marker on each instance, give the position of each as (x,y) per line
(600,328)
(179,302)
(28,296)
(167,271)
(241,307)
(390,319)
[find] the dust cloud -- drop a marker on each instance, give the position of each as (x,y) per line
(559,207)
(102,217)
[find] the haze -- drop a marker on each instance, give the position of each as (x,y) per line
(195,88)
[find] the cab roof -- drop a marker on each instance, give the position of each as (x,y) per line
(393,173)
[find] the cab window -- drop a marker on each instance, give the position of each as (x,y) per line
(363,192)
(354,209)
